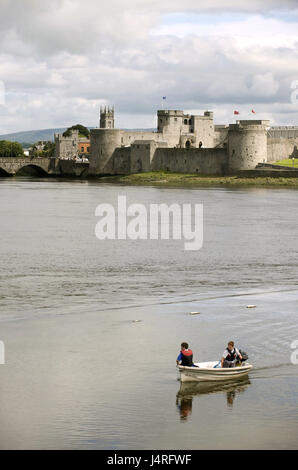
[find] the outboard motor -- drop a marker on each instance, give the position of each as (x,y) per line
(244,357)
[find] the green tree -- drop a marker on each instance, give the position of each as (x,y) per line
(43,149)
(10,149)
(49,149)
(83,131)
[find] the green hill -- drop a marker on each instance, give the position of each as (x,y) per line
(28,138)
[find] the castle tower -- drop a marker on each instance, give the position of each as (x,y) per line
(169,123)
(247,144)
(107,120)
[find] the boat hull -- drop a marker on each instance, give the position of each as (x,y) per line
(206,372)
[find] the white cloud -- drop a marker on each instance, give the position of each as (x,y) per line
(264,85)
(61,59)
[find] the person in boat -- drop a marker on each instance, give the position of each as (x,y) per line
(230,356)
(185,357)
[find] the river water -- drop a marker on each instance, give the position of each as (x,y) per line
(80,372)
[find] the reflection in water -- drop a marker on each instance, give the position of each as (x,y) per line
(184,405)
(188,391)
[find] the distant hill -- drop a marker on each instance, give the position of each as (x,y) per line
(28,138)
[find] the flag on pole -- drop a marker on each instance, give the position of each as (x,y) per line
(236,112)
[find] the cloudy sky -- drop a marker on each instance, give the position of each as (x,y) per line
(61,59)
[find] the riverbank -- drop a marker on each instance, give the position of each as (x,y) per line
(180,179)
(288,163)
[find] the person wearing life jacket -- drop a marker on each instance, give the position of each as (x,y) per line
(230,356)
(185,357)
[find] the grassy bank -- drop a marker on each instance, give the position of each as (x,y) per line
(179,179)
(289,162)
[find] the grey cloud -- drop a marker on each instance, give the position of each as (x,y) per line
(59,63)
(50,26)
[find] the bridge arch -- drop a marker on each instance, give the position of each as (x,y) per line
(4,173)
(31,170)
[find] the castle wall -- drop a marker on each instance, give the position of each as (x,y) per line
(285,132)
(203,128)
(122,161)
(72,169)
(188,141)
(129,137)
(221,135)
(281,148)
(208,161)
(142,155)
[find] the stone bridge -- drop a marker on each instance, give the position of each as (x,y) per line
(26,165)
(40,166)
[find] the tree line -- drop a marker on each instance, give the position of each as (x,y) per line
(14,149)
(10,149)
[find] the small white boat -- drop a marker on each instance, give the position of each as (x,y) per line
(212,371)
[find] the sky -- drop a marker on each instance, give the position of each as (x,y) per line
(60,60)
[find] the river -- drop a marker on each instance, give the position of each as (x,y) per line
(81,372)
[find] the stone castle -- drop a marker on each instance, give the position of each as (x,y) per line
(184,143)
(66,148)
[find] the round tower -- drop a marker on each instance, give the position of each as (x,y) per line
(103,143)
(247,144)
